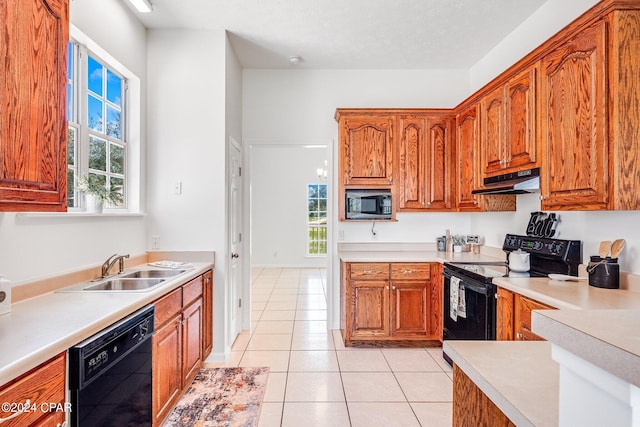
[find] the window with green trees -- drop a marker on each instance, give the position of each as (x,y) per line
(317,219)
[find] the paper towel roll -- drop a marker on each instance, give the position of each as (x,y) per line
(5,296)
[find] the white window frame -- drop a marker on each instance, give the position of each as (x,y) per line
(131,130)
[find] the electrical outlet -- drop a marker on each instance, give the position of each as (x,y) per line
(177,188)
(155,242)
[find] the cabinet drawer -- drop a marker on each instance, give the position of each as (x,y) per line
(167,307)
(191,291)
(369,271)
(43,385)
(410,271)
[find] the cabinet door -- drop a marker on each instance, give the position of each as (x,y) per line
(439,162)
(366,155)
(33,87)
(493,128)
(409,302)
(412,157)
(207,308)
(520,121)
(504,316)
(436,306)
(522,317)
(574,123)
(467,149)
(369,311)
(191,341)
(167,368)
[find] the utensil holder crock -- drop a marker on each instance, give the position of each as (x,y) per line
(604,272)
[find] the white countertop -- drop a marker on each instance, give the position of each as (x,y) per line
(519,377)
(39,328)
(609,339)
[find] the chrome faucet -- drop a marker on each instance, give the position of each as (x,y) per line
(111,261)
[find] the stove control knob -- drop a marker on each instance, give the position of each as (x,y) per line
(537,245)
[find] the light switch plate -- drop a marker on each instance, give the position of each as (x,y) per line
(177,188)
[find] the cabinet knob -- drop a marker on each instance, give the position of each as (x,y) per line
(519,335)
(386,287)
(235,255)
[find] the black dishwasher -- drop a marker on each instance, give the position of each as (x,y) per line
(110,375)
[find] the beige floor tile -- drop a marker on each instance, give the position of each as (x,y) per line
(270,342)
(258,305)
(378,414)
(232,361)
(276,361)
(426,386)
(285,291)
(310,327)
(311,315)
(436,353)
(312,342)
(314,387)
(312,305)
(409,360)
(274,327)
(313,361)
(256,315)
(270,415)
(315,414)
(276,385)
(284,297)
(433,414)
(362,361)
(312,290)
(286,285)
(338,341)
(240,344)
(311,298)
(278,315)
(280,305)
(260,297)
(371,387)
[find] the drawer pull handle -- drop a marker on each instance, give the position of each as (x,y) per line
(26,407)
(408,271)
(369,271)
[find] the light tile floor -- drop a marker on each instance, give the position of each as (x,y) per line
(315,380)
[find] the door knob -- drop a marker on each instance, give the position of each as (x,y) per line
(235,255)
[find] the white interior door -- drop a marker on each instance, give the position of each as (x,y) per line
(235,240)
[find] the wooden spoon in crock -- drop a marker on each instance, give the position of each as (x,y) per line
(616,247)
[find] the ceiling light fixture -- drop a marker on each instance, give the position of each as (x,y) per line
(142,6)
(296,59)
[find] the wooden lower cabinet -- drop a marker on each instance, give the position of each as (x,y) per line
(207,308)
(177,344)
(42,385)
(513,320)
(471,407)
(390,301)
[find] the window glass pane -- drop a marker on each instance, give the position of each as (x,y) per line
(71,147)
(96,179)
(322,191)
(97,154)
(313,190)
(116,184)
(94,74)
(70,82)
(313,205)
(113,123)
(114,88)
(71,202)
(322,204)
(116,164)
(94,113)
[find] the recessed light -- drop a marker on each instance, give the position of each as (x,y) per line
(142,6)
(296,59)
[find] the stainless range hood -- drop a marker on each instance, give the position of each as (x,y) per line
(525,181)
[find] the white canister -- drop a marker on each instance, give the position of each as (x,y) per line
(5,295)
(519,261)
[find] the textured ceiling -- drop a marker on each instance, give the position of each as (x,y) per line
(351,34)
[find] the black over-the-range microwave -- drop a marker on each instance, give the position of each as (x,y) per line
(368,204)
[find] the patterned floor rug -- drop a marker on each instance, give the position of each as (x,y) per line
(229,397)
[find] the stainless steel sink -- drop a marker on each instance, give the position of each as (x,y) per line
(124,284)
(145,274)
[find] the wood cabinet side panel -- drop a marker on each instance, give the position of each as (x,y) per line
(471,407)
(467,148)
(207,308)
(505,314)
(191,342)
(436,307)
(167,368)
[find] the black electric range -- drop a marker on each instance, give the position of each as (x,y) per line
(474,317)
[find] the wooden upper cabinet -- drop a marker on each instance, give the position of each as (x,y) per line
(33,84)
(366,157)
(467,149)
(412,155)
(508,125)
(574,123)
(440,151)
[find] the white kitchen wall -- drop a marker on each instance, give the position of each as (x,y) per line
(194,105)
(279,177)
(36,246)
(590,227)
